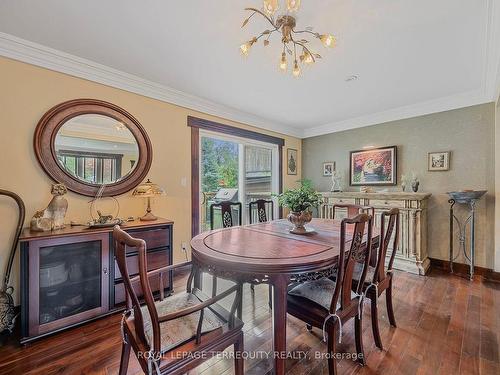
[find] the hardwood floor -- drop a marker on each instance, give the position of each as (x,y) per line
(446,325)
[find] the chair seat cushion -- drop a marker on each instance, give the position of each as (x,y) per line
(358,270)
(177,331)
(318,291)
(356,275)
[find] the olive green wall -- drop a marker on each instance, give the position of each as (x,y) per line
(469,133)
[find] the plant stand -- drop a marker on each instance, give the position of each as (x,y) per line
(470,199)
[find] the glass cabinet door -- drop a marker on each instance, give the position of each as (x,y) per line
(69,281)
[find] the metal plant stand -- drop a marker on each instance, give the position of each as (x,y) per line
(469,198)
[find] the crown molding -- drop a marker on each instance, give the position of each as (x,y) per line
(419,109)
(49,58)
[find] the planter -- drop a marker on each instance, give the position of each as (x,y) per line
(299,219)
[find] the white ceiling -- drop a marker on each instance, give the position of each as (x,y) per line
(412,57)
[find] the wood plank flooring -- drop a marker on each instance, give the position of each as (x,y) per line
(446,325)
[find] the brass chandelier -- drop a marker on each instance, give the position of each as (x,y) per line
(293,40)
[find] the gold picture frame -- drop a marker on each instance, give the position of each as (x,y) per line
(291,161)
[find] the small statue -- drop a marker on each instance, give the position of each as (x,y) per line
(51,218)
(404,182)
(103,219)
(415,183)
(336,180)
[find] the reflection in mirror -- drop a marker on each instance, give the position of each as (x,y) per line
(96,149)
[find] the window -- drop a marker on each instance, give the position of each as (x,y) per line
(96,168)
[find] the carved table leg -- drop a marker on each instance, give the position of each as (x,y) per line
(280,284)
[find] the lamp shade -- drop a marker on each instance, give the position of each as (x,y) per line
(148,190)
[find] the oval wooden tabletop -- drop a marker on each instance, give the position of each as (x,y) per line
(270,248)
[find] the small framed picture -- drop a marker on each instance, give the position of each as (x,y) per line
(291,161)
(328,168)
(439,161)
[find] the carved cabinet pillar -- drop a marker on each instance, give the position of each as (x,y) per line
(411,252)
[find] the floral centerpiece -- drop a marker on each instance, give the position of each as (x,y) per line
(299,202)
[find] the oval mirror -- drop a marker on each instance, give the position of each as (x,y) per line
(96,149)
(93,143)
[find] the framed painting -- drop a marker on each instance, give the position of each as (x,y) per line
(328,168)
(291,161)
(376,166)
(438,161)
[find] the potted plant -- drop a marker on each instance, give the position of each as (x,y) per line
(299,202)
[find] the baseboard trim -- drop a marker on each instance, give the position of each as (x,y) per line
(463,269)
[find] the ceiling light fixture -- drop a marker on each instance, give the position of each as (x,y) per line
(120,126)
(292,39)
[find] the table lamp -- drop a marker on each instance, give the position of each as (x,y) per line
(148,190)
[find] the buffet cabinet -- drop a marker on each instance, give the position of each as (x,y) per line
(411,252)
(70,276)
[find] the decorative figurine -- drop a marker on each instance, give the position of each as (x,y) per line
(404,182)
(52,217)
(336,182)
(103,220)
(414,183)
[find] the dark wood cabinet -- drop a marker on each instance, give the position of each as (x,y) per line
(69,276)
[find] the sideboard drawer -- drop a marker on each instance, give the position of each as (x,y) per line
(156,259)
(154,282)
(387,203)
(154,238)
(341,201)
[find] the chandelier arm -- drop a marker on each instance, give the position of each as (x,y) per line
(303,46)
(269,33)
(316,35)
(248,18)
(263,15)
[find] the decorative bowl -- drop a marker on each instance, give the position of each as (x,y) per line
(466,196)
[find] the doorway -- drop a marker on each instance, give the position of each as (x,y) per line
(237,170)
(227,157)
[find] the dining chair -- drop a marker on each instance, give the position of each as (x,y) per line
(379,278)
(226,209)
(329,304)
(175,334)
(353,210)
(262,217)
(259,209)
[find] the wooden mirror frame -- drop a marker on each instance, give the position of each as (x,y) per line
(57,116)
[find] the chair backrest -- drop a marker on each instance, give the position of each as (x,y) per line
(359,252)
(389,225)
(122,240)
(353,210)
(260,205)
(226,209)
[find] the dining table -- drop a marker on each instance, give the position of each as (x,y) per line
(269,253)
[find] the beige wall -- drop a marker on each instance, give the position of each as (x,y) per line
(468,133)
(27,92)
